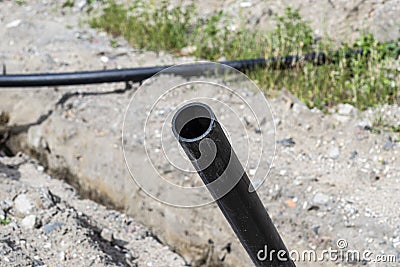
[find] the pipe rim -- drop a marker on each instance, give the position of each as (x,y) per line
(194,110)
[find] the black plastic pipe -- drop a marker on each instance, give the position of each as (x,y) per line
(141,74)
(208,148)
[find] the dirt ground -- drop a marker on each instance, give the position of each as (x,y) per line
(335,176)
(50,224)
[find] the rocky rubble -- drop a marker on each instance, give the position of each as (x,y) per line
(45,223)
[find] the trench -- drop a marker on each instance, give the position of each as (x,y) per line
(13,139)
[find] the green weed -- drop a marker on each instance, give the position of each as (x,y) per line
(68,3)
(5,221)
(363,80)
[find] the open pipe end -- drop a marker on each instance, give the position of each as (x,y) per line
(192,122)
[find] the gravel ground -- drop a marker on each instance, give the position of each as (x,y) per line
(48,224)
(334,176)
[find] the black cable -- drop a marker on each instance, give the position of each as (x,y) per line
(133,74)
(140,74)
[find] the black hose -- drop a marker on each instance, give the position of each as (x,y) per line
(140,74)
(206,145)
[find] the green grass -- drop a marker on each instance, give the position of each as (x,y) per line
(4,221)
(361,80)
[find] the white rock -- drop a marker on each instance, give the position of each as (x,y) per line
(107,234)
(14,23)
(396,242)
(2,215)
(104,59)
(188,50)
(341,118)
(282,172)
(81,4)
(334,152)
(23,205)
(346,109)
(365,123)
(40,168)
(320,199)
(29,222)
(245,4)
(61,256)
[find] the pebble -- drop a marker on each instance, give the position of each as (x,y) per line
(286,142)
(107,234)
(14,24)
(252,172)
(61,256)
(29,222)
(104,59)
(40,168)
(315,229)
(334,152)
(23,205)
(47,199)
(388,145)
(2,214)
(48,228)
(365,124)
(396,242)
(5,205)
(188,50)
(353,155)
(245,4)
(346,110)
(320,199)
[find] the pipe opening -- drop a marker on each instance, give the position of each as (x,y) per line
(193,121)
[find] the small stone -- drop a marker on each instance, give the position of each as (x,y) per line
(286,142)
(81,4)
(6,205)
(341,118)
(40,168)
(104,59)
(396,242)
(188,50)
(365,124)
(320,199)
(23,205)
(245,4)
(334,152)
(346,110)
(61,256)
(107,235)
(48,228)
(2,215)
(29,222)
(353,155)
(290,203)
(316,229)
(388,145)
(14,24)
(47,199)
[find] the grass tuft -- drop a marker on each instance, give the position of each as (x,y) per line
(363,80)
